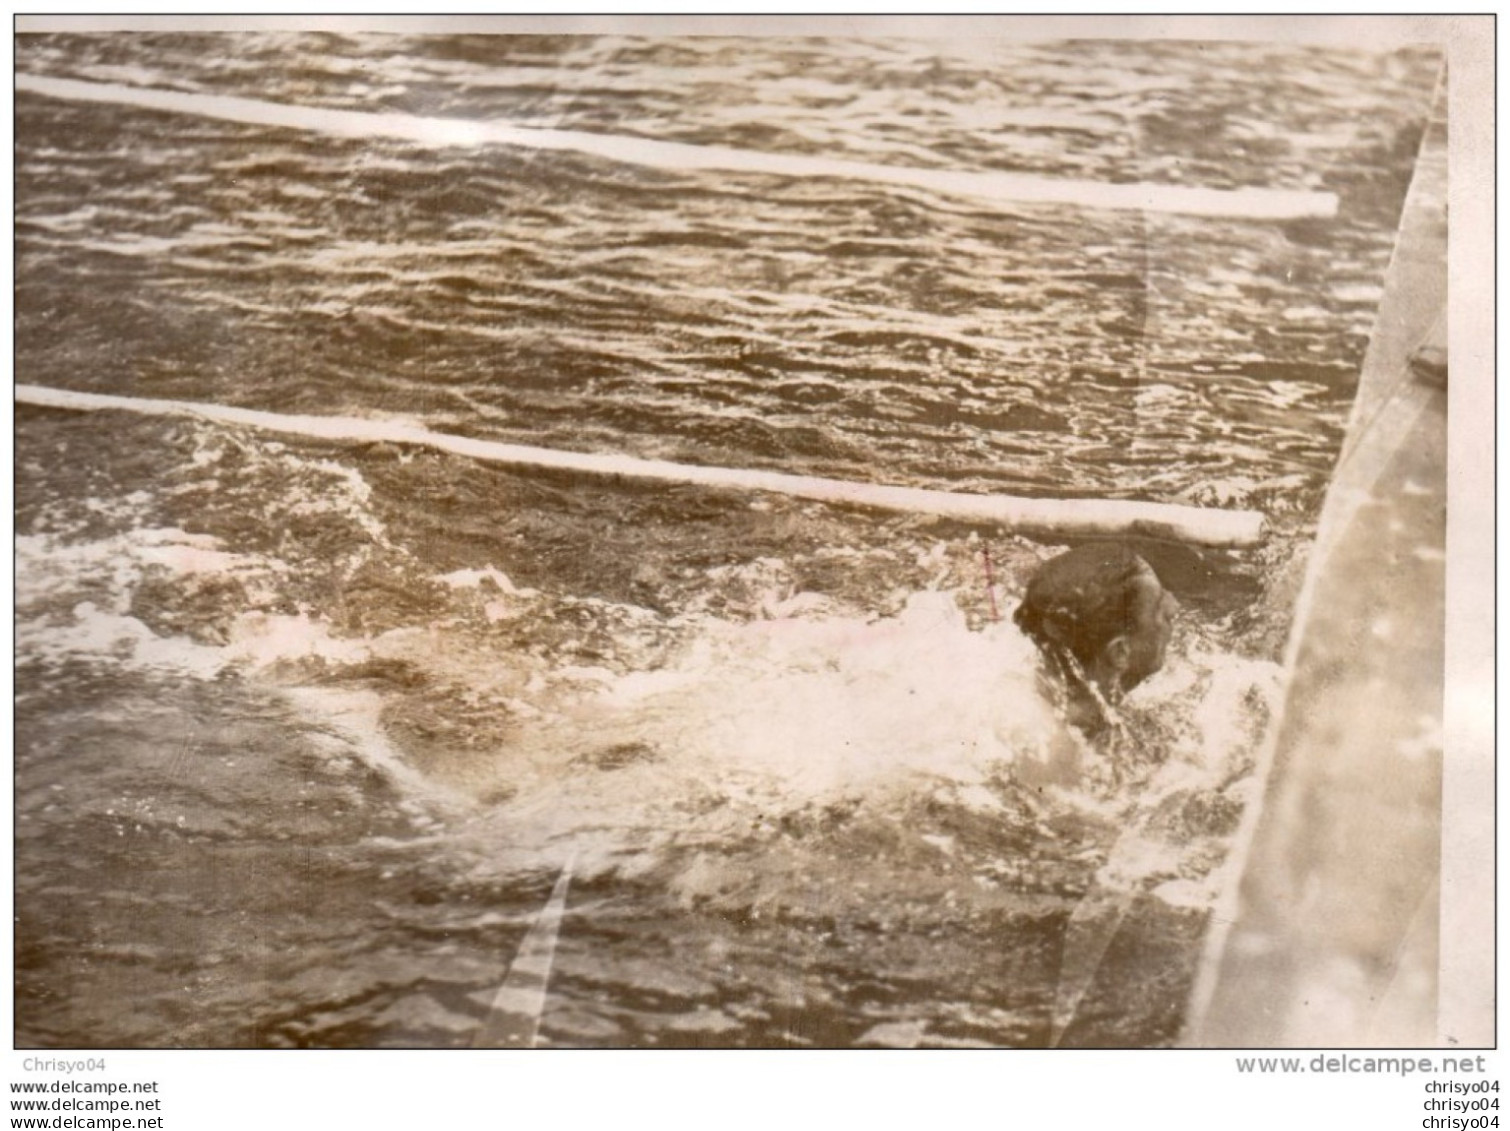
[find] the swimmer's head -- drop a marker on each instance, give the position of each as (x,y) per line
(1104,606)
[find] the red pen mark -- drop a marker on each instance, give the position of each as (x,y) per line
(990,585)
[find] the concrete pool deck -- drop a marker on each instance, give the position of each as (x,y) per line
(1329,934)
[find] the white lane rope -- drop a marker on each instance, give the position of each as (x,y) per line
(442,133)
(1073,517)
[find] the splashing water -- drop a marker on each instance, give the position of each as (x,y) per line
(829,800)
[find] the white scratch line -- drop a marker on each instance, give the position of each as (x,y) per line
(513,1021)
(1095,922)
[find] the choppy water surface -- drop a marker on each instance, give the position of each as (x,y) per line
(305,734)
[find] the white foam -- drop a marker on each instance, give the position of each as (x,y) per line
(47,566)
(354,718)
(111,569)
(803,710)
(473,579)
(102,634)
(264,639)
(187,554)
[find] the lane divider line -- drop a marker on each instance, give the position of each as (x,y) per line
(443,133)
(1052,517)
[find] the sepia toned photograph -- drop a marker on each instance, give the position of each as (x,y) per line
(736,535)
